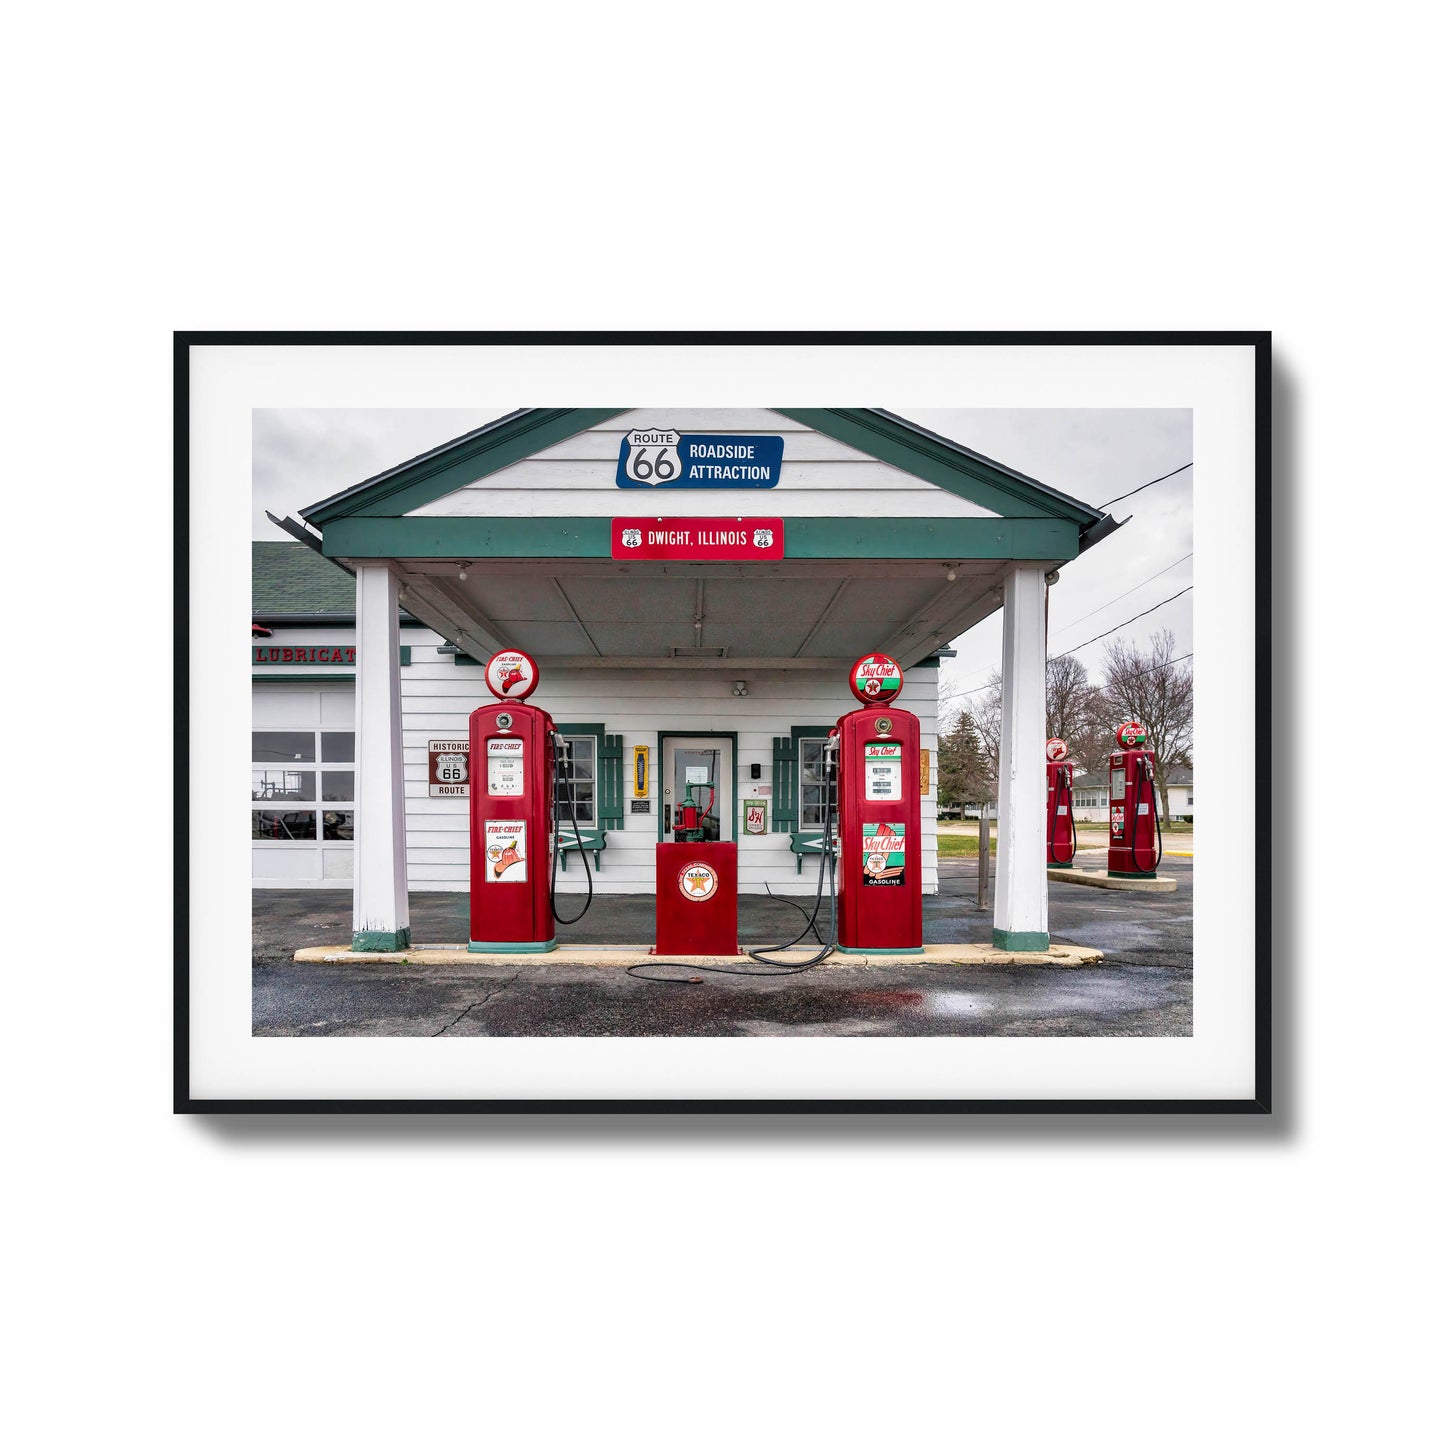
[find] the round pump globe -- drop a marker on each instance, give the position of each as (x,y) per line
(876,678)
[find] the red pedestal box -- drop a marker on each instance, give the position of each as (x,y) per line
(697,898)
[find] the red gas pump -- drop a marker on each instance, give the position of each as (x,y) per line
(514,747)
(1062,839)
(880,869)
(1136,837)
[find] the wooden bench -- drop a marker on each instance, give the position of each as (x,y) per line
(594,840)
(806,845)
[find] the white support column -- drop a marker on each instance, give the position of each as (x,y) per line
(1021,898)
(380,919)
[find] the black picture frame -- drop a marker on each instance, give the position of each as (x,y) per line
(1262,1102)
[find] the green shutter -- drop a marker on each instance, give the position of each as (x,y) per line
(785,785)
(609,764)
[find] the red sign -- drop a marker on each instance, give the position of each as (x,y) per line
(331,656)
(512,675)
(698,539)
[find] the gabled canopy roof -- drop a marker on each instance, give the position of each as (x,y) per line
(905,572)
(401,490)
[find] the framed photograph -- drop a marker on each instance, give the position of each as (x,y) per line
(713,744)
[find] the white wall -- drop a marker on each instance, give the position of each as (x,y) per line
(437,698)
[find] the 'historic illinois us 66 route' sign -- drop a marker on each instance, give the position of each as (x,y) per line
(697,539)
(662,457)
(448,771)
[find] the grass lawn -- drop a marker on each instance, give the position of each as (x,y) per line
(962,845)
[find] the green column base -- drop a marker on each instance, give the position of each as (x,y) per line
(838,948)
(474,947)
(1008,942)
(1113,874)
(377,942)
(1060,865)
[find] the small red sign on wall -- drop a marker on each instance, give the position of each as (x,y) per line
(698,539)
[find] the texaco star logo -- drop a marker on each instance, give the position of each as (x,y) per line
(697,882)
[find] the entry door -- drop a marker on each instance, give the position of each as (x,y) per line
(699,761)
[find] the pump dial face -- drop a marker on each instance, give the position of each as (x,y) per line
(876,678)
(511,676)
(1056,750)
(1132,735)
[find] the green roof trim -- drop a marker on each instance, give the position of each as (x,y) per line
(891,439)
(945,463)
(1042,539)
(447,468)
(291,577)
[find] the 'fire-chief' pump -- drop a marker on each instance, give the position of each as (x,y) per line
(515,831)
(1061,840)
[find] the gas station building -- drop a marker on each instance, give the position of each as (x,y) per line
(695,587)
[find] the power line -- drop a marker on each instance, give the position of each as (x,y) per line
(1127,621)
(1168,662)
(1064,626)
(1164,478)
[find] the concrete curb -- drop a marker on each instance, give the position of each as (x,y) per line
(1122,885)
(1060,955)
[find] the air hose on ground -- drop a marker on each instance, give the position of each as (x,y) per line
(560,744)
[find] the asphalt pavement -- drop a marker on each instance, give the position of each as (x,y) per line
(1144,988)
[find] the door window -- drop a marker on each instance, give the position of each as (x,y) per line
(698,769)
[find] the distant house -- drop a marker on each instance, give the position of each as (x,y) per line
(1091,798)
(1181,797)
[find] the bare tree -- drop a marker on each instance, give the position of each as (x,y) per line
(985,709)
(1151,688)
(1074,709)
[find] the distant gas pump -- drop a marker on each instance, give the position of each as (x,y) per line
(1061,836)
(880,862)
(1136,839)
(514,824)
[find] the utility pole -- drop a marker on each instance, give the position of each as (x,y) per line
(982,855)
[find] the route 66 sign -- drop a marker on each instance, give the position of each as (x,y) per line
(632,536)
(651,457)
(448,773)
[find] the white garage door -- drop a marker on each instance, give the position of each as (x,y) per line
(303,784)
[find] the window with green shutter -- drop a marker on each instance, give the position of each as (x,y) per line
(596,783)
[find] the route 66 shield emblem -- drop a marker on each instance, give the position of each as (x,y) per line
(763,537)
(632,536)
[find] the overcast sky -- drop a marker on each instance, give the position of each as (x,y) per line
(301,456)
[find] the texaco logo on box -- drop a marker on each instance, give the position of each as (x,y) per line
(697,882)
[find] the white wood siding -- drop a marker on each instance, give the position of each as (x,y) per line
(438,697)
(819,478)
